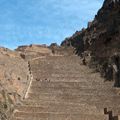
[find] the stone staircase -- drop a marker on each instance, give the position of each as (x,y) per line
(63,89)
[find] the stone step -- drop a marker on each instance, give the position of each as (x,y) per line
(61,57)
(60,68)
(57,61)
(21,118)
(59,71)
(59,75)
(62,84)
(49,76)
(54,64)
(61,108)
(63,72)
(74,98)
(67,94)
(98,104)
(74,71)
(58,116)
(54,91)
(65,79)
(43,63)
(52,103)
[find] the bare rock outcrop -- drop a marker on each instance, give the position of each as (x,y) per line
(61,50)
(101,38)
(13,80)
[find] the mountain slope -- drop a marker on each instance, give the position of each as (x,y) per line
(101,38)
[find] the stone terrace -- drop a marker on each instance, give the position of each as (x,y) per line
(63,89)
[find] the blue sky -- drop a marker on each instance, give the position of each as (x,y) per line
(43,21)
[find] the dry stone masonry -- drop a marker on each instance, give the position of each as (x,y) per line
(63,89)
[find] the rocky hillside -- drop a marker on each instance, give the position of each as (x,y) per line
(13,80)
(101,38)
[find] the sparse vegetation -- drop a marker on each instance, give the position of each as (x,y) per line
(6,106)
